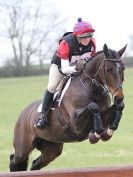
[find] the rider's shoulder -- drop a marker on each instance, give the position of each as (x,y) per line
(66,37)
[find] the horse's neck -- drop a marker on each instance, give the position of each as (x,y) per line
(93,66)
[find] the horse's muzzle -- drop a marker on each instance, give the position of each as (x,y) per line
(117,93)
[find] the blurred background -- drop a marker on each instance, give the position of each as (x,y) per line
(30,30)
(29,34)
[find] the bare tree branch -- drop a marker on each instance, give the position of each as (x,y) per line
(29,26)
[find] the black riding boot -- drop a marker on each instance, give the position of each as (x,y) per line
(43,119)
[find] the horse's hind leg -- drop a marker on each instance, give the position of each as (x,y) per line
(22,166)
(49,151)
(19,160)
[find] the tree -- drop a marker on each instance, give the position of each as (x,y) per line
(32,29)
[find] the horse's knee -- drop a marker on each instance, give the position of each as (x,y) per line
(95,111)
(93,108)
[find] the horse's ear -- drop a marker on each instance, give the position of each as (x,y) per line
(105,50)
(122,50)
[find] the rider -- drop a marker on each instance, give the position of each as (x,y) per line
(74,46)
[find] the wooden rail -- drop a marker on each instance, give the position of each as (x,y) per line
(121,171)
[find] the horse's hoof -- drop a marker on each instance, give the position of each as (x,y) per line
(93,138)
(105,136)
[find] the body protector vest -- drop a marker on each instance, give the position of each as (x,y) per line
(75,48)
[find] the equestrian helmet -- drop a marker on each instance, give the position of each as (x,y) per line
(83,29)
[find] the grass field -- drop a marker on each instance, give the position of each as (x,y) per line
(16,93)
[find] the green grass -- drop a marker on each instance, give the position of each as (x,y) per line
(16,93)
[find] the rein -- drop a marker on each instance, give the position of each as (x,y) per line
(98,84)
(94,81)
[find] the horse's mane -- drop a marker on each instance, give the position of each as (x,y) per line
(111,53)
(97,53)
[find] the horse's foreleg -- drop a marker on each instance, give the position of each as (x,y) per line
(97,122)
(115,114)
(48,154)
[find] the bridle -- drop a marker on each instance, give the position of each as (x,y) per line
(101,69)
(111,60)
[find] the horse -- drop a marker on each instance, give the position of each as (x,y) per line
(85,112)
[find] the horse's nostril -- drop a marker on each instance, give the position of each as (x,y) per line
(117,100)
(120,86)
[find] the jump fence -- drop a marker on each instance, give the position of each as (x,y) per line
(121,171)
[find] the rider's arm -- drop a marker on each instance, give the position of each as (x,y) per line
(63,53)
(65,68)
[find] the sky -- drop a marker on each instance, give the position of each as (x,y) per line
(111,19)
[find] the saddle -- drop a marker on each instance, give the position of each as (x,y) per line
(61,90)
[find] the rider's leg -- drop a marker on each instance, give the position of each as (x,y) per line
(47,102)
(54,78)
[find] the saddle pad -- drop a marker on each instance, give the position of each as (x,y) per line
(39,109)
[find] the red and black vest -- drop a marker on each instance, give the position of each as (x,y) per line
(74,48)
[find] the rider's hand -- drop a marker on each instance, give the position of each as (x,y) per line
(80,65)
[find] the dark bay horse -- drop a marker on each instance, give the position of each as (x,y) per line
(85,112)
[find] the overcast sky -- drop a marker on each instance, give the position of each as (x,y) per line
(112,20)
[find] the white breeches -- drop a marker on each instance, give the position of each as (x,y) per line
(54,78)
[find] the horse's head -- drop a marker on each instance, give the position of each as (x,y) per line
(112,73)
